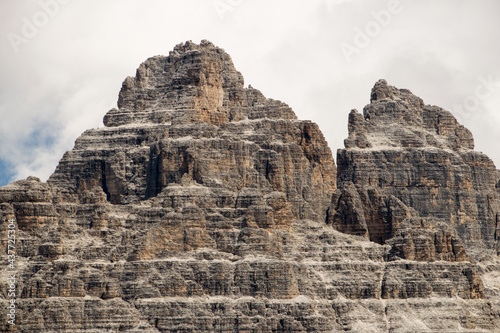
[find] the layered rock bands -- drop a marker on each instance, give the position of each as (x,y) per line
(203,206)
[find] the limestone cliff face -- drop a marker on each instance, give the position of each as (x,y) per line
(203,206)
(186,118)
(421,158)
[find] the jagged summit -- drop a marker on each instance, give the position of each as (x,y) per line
(383,91)
(192,76)
(186,118)
(200,82)
(397,118)
(421,156)
(203,206)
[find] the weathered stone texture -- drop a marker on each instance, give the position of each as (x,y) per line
(203,206)
(420,155)
(165,133)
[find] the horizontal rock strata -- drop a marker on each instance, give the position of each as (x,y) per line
(203,206)
(420,155)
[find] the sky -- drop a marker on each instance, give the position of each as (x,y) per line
(62,62)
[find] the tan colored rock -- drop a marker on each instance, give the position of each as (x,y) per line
(203,206)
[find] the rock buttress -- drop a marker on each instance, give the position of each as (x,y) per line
(186,118)
(201,207)
(420,158)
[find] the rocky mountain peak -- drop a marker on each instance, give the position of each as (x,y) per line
(192,76)
(397,118)
(203,206)
(383,91)
(186,118)
(422,159)
(200,82)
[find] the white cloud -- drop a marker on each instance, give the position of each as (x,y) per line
(68,76)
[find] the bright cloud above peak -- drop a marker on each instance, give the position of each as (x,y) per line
(67,74)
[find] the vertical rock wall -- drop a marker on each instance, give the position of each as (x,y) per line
(423,159)
(203,206)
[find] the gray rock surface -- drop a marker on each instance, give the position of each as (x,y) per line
(423,157)
(203,206)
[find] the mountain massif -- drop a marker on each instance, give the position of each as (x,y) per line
(203,206)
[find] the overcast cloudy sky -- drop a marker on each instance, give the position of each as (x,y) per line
(62,62)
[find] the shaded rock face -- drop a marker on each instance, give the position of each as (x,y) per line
(203,206)
(421,156)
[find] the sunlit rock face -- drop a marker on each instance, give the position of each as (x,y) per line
(203,206)
(187,118)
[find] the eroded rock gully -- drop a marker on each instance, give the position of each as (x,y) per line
(203,206)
